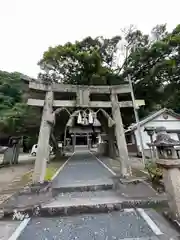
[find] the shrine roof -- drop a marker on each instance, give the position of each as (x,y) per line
(152,116)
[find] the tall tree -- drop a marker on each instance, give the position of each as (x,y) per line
(153,64)
(87,62)
(152,61)
(16,118)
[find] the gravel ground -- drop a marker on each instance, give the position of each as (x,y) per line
(10,178)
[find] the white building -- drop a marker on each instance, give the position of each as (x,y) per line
(162,118)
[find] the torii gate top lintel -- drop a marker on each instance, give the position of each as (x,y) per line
(58,87)
(82,92)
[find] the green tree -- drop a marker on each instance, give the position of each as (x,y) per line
(152,61)
(153,64)
(88,62)
(16,117)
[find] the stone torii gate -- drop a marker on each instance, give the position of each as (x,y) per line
(82,100)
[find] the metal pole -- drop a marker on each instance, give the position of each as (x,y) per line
(137,120)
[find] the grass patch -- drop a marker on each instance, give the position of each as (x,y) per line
(50,171)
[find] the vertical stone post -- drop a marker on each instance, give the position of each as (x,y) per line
(74,141)
(88,142)
(111,139)
(120,136)
(43,141)
(171,179)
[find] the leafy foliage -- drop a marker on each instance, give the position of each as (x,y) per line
(154,68)
(152,61)
(16,118)
(88,62)
(155,173)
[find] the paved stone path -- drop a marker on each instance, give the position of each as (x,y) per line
(83,169)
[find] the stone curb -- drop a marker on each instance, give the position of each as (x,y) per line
(40,211)
(86,188)
(35,188)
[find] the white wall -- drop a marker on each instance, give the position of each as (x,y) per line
(170,124)
(161,118)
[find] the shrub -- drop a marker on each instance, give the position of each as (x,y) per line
(154,171)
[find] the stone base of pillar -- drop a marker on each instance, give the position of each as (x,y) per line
(171,179)
(127,173)
(103,148)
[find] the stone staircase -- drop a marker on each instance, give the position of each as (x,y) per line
(97,210)
(101,195)
(84,206)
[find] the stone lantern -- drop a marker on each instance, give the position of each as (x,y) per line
(169,162)
(150,132)
(165,145)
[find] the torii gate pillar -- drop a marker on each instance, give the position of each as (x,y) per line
(43,140)
(120,136)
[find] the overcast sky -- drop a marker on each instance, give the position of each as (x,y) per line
(29,27)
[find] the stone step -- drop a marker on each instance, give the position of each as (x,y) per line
(94,202)
(82,187)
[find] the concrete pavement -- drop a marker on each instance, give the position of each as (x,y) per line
(7,228)
(116,225)
(129,224)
